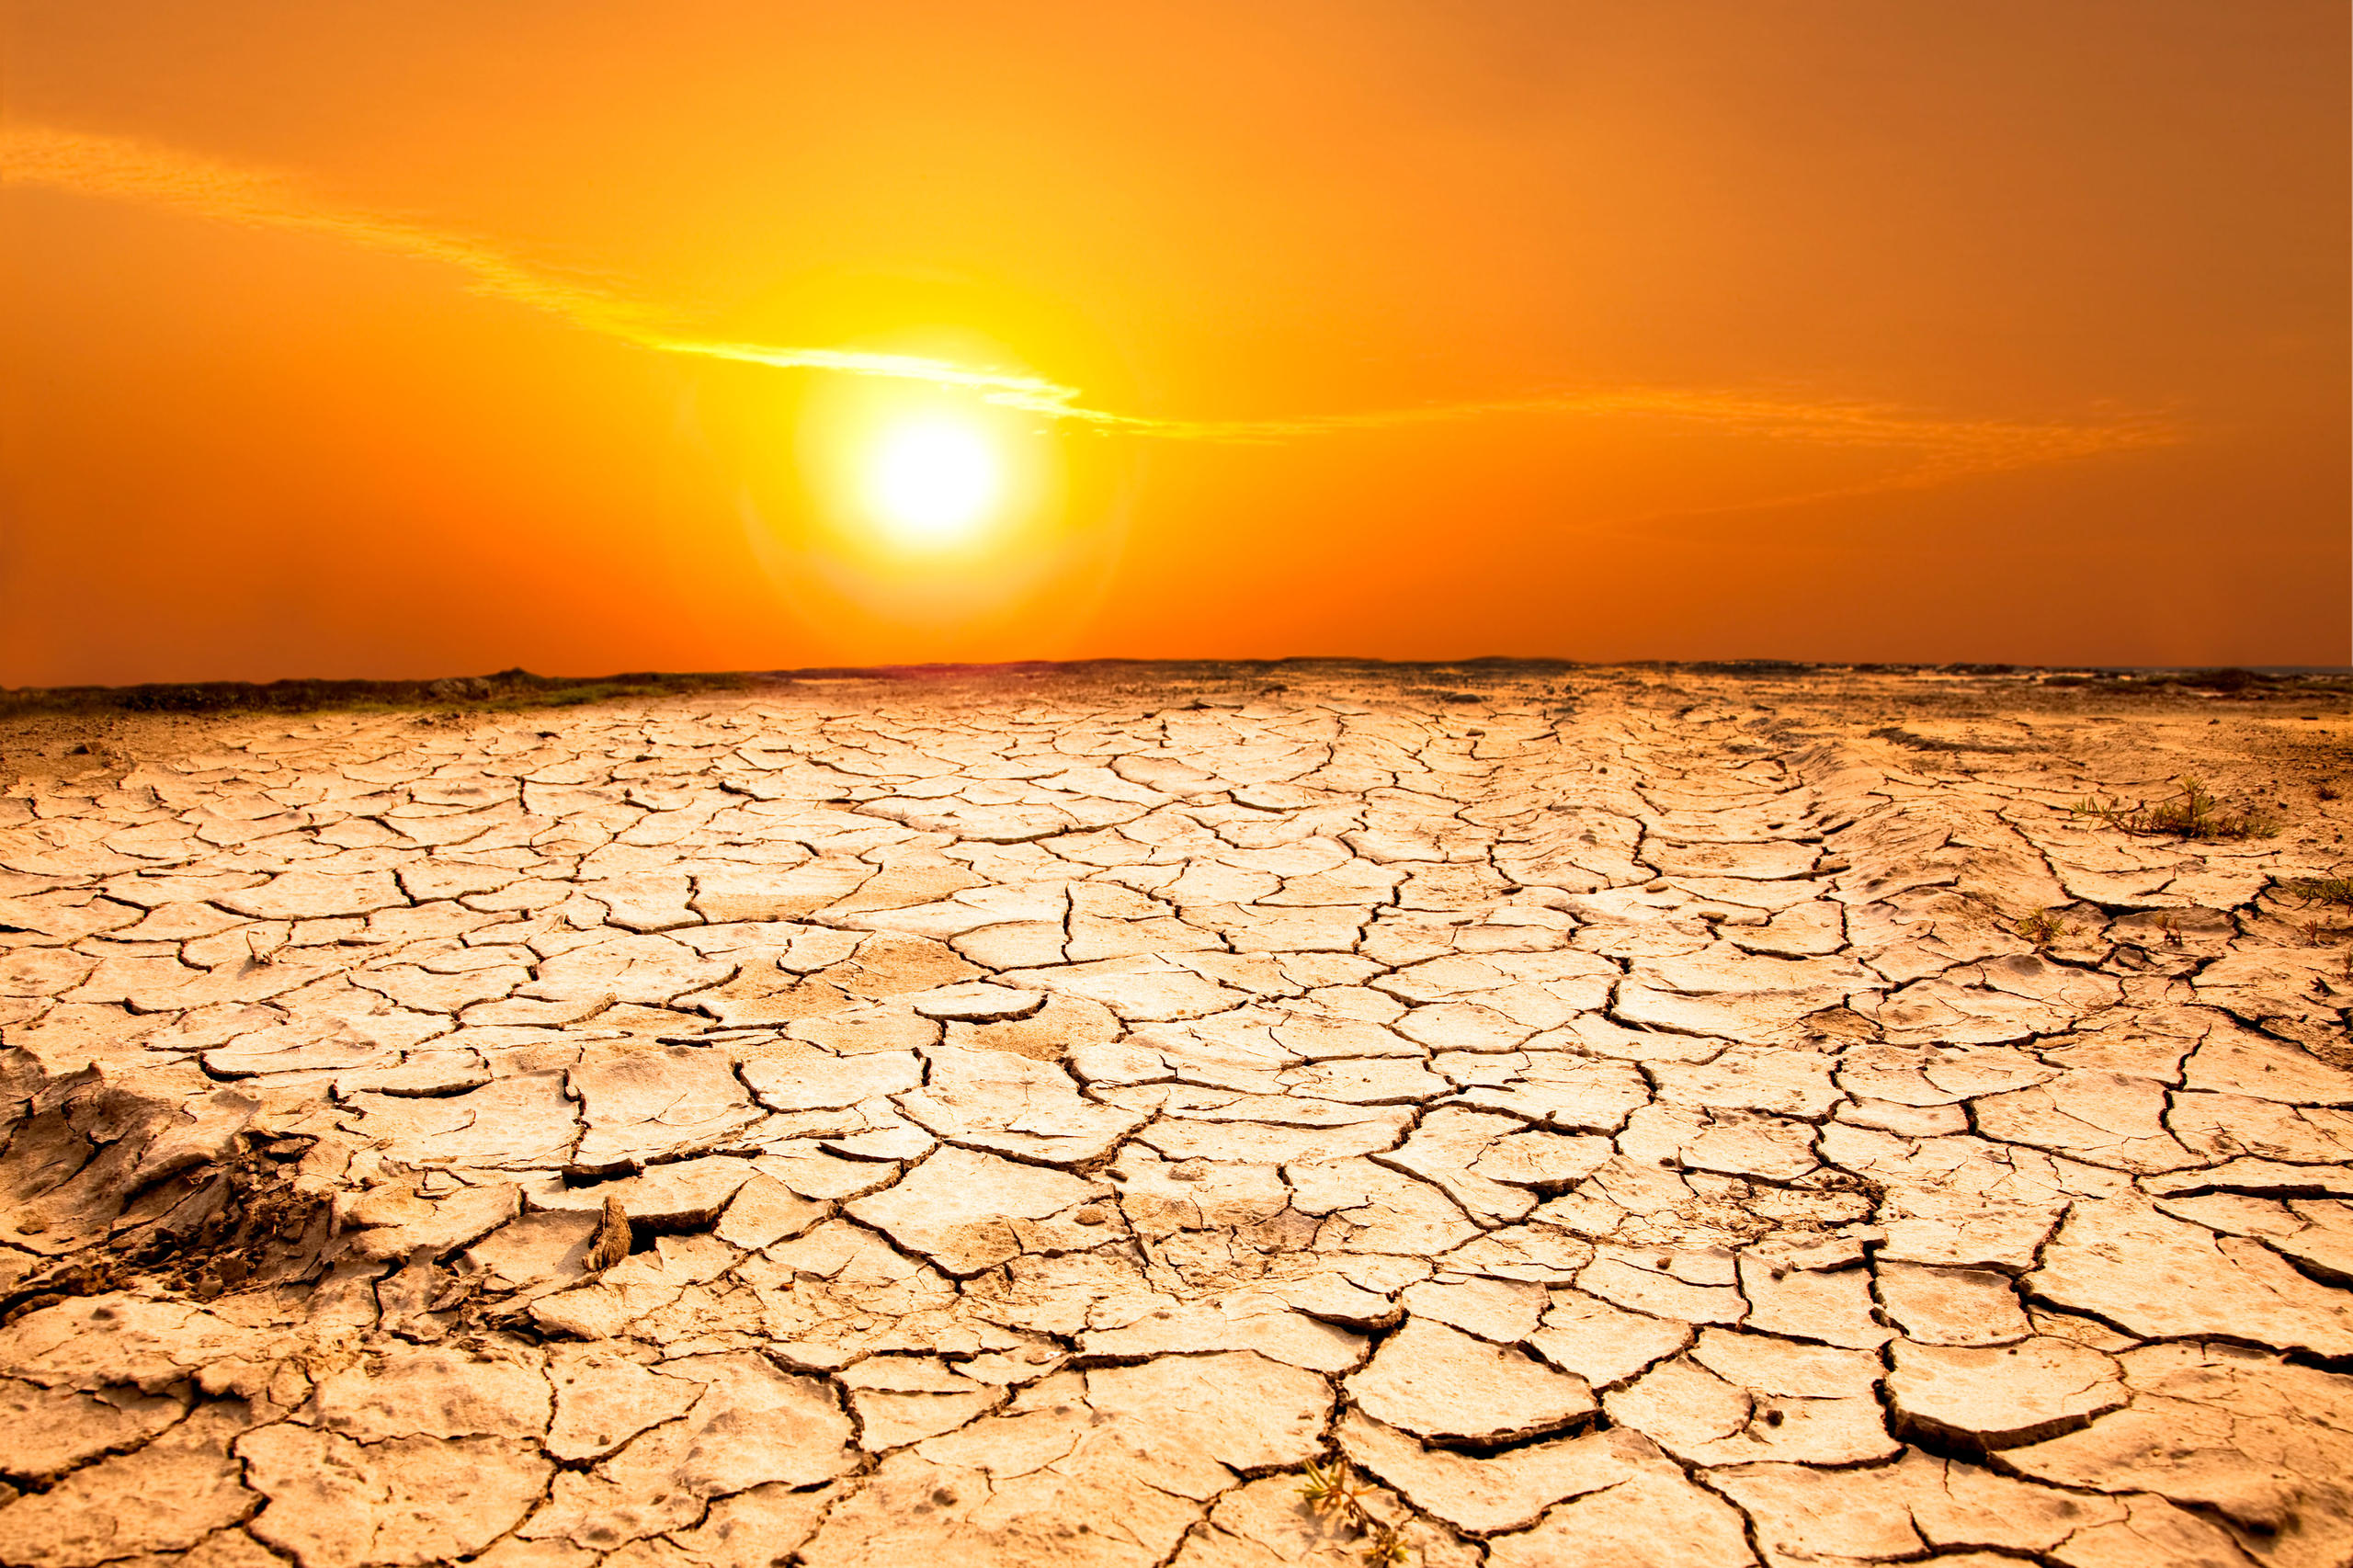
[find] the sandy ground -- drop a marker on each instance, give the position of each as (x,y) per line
(1193,1116)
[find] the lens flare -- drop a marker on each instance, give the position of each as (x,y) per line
(933,481)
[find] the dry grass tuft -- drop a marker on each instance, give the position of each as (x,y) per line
(2193,814)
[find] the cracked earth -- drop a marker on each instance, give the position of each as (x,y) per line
(1612,1113)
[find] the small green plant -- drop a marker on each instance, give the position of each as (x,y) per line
(1335,1497)
(2193,814)
(1332,1494)
(2337,891)
(2040,929)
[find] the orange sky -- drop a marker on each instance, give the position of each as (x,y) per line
(353,339)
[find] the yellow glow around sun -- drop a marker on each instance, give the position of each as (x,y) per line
(932,481)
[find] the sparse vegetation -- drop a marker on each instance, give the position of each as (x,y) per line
(1335,1496)
(2337,890)
(2040,929)
(2193,814)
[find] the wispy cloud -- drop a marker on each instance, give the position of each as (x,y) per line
(120,168)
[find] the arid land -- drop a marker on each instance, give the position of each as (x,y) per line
(1211,1116)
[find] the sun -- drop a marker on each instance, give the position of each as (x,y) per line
(932,481)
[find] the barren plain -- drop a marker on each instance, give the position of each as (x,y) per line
(1217,1116)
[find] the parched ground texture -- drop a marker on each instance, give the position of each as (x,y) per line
(1605,1117)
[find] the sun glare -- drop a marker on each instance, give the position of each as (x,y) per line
(933,481)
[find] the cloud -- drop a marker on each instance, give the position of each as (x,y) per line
(124,170)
